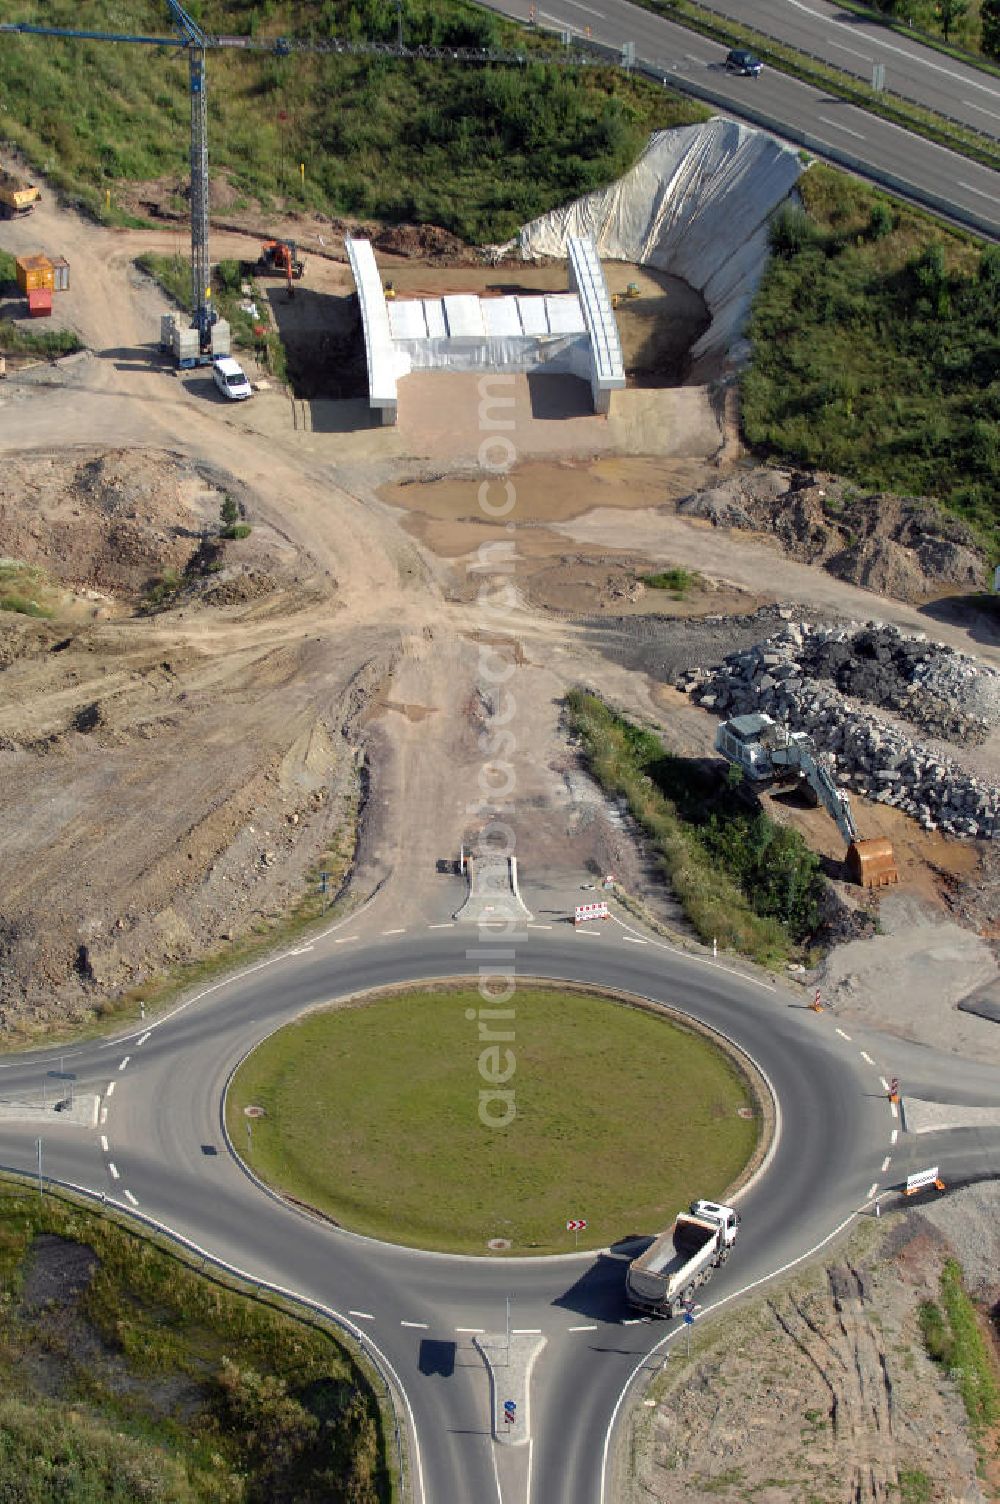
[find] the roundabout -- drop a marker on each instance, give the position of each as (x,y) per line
(438,1120)
(158,1155)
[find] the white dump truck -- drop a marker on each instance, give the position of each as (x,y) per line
(660,1280)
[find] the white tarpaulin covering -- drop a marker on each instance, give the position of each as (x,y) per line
(696,205)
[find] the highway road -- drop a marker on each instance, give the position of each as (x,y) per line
(827,126)
(957,90)
(161,1089)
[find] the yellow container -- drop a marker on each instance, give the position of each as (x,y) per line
(34,272)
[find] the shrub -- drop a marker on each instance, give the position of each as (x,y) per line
(237,531)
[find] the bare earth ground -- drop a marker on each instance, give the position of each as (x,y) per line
(171,780)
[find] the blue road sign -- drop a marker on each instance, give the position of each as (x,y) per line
(509,1411)
(688,1318)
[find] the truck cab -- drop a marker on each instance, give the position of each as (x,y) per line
(724,1216)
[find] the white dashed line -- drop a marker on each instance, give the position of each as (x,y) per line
(848,132)
(885,1084)
(144,1038)
(539,926)
(978,191)
(449,924)
(394,932)
(300,950)
(632,1321)
(471,1331)
(867,1058)
(872,1189)
(588,932)
(111,1089)
(526,1331)
(843,1035)
(894,1109)
(362,1315)
(112,1170)
(634,940)
(420,1325)
(130,1198)
(125,1062)
(894,1135)
(863,55)
(886,1163)
(582,1328)
(104,1143)
(346,939)
(970,106)
(104,1116)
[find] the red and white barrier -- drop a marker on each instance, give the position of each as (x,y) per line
(585,912)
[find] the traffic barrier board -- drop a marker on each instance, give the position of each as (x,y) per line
(577,1224)
(587,911)
(922,1180)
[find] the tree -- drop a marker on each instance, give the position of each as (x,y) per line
(229,512)
(989,17)
(950,11)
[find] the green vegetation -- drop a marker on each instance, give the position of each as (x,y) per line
(372,1114)
(476,149)
(49,344)
(914,1486)
(741,879)
(238,530)
(954,1339)
(875,350)
(678,581)
(24,589)
(777,54)
(128,1376)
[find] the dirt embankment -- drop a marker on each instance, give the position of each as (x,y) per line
(824,1391)
(176,772)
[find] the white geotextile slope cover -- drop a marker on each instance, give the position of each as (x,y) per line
(696,205)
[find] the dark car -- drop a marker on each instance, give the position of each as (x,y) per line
(741,61)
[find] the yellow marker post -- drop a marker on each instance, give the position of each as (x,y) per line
(302,173)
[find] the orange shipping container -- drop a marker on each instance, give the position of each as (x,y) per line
(34,272)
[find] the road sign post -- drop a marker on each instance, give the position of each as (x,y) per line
(576,1226)
(509,1413)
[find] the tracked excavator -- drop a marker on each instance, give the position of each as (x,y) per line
(767,751)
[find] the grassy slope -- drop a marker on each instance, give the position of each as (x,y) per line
(477,150)
(372,1115)
(133,1394)
(876,351)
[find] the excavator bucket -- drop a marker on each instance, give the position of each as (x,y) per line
(871,863)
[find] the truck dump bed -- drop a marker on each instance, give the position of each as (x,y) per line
(677,1246)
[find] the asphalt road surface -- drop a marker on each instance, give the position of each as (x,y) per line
(826,125)
(959,91)
(161,1088)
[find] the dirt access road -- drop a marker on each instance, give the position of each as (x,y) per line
(175,779)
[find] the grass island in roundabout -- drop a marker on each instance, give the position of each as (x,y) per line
(435,1118)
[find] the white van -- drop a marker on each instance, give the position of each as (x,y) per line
(230,378)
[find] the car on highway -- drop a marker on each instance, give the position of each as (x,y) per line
(230,378)
(739,60)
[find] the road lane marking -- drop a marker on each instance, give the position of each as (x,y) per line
(539,926)
(104,1143)
(872,1189)
(894,1135)
(894,1109)
(104,1116)
(885,1084)
(588,932)
(867,1058)
(701,960)
(449,924)
(632,1321)
(576,4)
(863,55)
(111,1089)
(130,1198)
(970,106)
(471,1331)
(634,940)
(582,1328)
(362,1315)
(394,932)
(300,950)
(125,1062)
(112,1170)
(886,1163)
(843,1035)
(420,1325)
(969,189)
(526,1331)
(143,1039)
(346,939)
(838,127)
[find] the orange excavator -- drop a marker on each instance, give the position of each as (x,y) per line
(766,751)
(281,257)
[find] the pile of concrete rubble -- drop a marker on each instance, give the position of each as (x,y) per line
(803,676)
